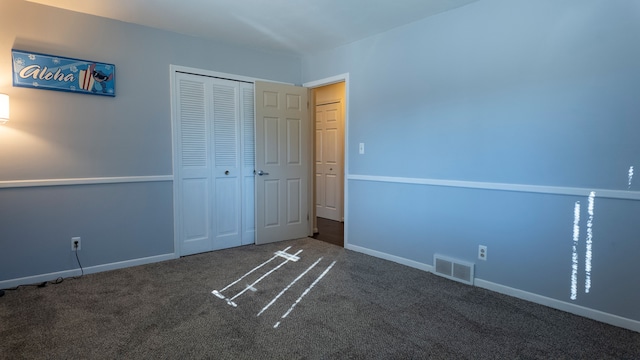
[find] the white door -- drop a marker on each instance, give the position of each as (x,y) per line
(247,116)
(282,162)
(211,160)
(329,163)
(227,169)
(193,163)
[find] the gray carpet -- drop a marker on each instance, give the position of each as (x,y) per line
(363,308)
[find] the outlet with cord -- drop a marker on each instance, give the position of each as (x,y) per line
(76,244)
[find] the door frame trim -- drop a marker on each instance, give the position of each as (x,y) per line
(203,72)
(345,206)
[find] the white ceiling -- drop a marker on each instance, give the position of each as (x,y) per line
(294,26)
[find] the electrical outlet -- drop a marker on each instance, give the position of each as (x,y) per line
(482,252)
(75,243)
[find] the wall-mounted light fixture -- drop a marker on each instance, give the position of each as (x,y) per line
(4,108)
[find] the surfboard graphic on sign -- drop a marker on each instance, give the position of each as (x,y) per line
(50,72)
(85,80)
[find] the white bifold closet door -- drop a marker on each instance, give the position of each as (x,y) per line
(214,163)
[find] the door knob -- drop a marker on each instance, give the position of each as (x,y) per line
(226,172)
(260,172)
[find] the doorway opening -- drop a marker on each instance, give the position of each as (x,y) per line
(329,161)
(330,231)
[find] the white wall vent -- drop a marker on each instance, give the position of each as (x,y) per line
(453,269)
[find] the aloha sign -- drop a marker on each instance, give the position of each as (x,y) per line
(49,72)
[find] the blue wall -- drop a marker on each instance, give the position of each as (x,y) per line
(55,135)
(531,93)
(499,91)
(116,222)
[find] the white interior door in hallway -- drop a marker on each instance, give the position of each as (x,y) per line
(329,163)
(213,163)
(283,162)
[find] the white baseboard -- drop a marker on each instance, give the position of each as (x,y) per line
(385,256)
(597,315)
(6,284)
